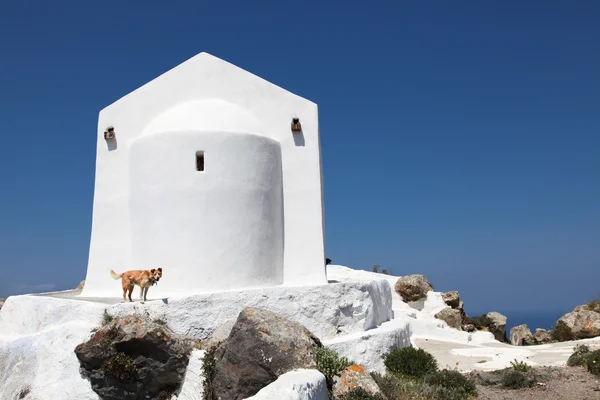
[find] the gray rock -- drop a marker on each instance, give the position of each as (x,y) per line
(261,346)
(580,324)
(134,359)
(468,328)
(451,316)
(521,336)
(498,326)
(452,299)
(353,377)
(2,303)
(413,287)
(219,335)
(81,285)
(542,336)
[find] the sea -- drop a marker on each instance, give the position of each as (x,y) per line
(534,319)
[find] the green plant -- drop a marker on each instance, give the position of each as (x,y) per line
(578,358)
(453,381)
(396,387)
(120,366)
(594,305)
(443,393)
(330,364)
(480,322)
(360,394)
(512,379)
(208,369)
(376,267)
(520,366)
(593,362)
(410,362)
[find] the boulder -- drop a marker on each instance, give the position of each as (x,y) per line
(413,287)
(579,324)
(261,346)
(468,328)
(542,336)
(2,303)
(452,299)
(304,384)
(81,285)
(521,336)
(134,359)
(451,316)
(351,378)
(498,325)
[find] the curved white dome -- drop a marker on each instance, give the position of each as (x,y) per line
(205,115)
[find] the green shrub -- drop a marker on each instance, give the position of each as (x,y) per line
(396,387)
(442,393)
(520,366)
(453,381)
(480,322)
(330,364)
(208,370)
(578,358)
(410,362)
(593,362)
(360,394)
(120,366)
(594,305)
(512,379)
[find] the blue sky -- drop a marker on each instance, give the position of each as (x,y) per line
(460,140)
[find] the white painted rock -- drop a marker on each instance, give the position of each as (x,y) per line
(302,384)
(369,348)
(327,311)
(37,339)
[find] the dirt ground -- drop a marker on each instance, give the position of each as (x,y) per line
(567,383)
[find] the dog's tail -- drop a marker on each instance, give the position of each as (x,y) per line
(115,275)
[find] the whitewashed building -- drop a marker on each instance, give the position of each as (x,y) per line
(213,174)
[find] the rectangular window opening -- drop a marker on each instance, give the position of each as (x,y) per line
(199,161)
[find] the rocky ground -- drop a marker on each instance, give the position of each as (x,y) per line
(568,383)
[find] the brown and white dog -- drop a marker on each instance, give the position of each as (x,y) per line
(143,278)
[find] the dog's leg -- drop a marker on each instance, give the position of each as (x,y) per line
(146,292)
(130,291)
(124,293)
(142,293)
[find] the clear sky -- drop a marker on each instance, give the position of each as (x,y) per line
(460,140)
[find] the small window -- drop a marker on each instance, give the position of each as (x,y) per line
(199,161)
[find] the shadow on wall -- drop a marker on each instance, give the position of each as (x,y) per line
(299,139)
(111,144)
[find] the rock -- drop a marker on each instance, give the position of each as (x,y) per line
(2,303)
(542,336)
(81,285)
(413,287)
(372,346)
(451,316)
(352,377)
(219,335)
(579,324)
(452,299)
(498,326)
(521,336)
(261,347)
(468,328)
(133,358)
(305,384)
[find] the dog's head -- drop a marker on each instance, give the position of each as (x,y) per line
(156,274)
